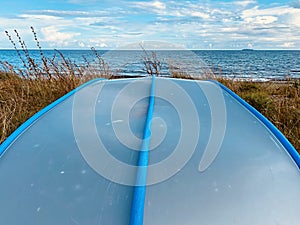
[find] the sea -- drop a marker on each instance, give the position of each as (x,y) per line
(258,65)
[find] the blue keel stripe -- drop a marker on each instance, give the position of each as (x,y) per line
(139,193)
(36,116)
(283,140)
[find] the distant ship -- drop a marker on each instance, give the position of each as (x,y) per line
(247,49)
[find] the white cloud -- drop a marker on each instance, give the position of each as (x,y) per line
(294,18)
(183,22)
(38,17)
(175,9)
(200,14)
(97,42)
(79,13)
(81,44)
(287,45)
(261,19)
(157,5)
(272,11)
(244,3)
(284,15)
(55,37)
(230,29)
(250,45)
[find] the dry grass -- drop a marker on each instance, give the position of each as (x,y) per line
(278,101)
(20,98)
(23,92)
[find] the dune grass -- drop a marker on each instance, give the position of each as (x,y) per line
(23,92)
(278,101)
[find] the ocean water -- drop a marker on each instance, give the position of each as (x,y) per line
(256,65)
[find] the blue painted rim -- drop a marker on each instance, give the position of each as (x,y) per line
(10,139)
(283,140)
(139,192)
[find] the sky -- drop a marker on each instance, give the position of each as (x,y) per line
(193,24)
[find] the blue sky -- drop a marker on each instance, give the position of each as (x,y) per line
(194,24)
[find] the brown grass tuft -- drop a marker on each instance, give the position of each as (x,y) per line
(278,101)
(23,92)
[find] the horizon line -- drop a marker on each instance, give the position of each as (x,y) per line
(106,49)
